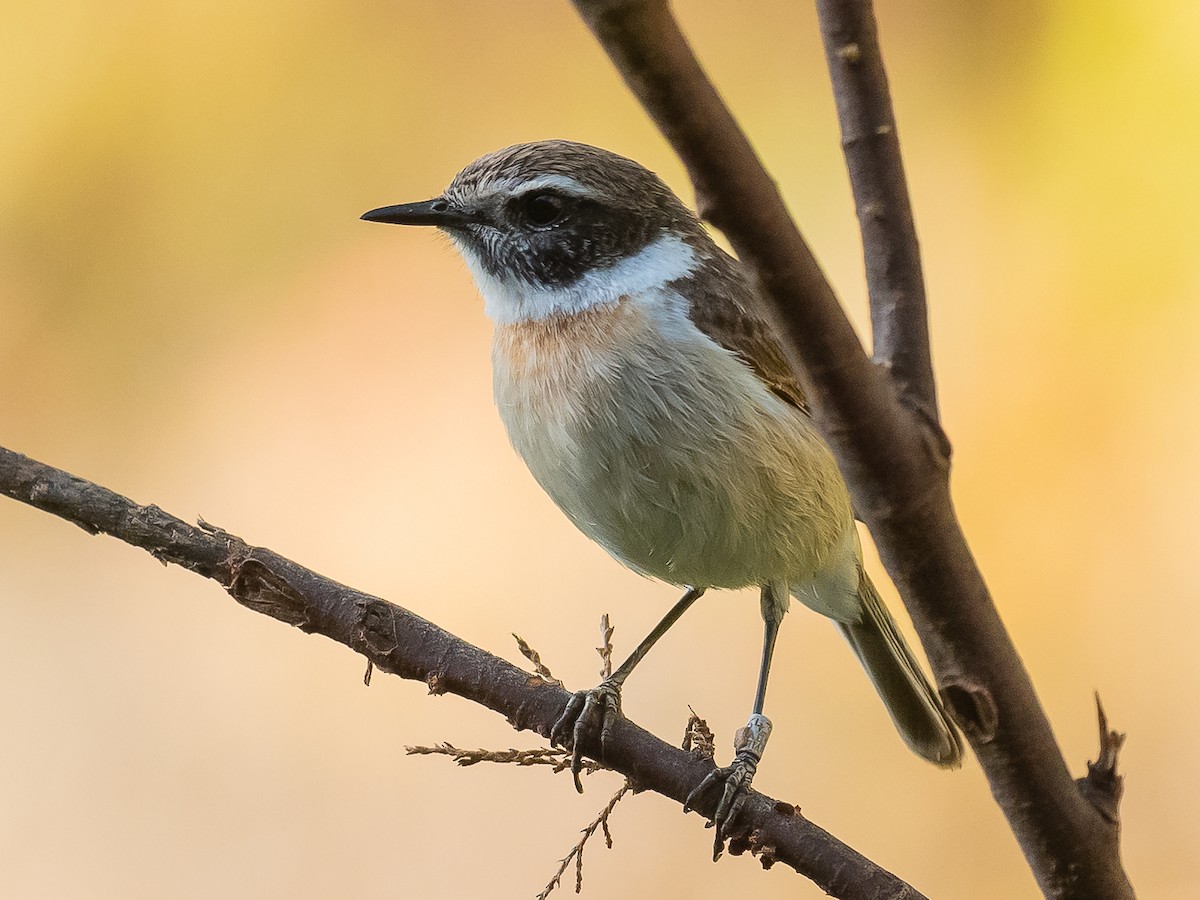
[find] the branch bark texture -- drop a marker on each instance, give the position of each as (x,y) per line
(871,145)
(402,643)
(879,417)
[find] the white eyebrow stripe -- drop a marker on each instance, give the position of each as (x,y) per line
(564,183)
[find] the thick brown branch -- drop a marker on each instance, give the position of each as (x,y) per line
(871,145)
(891,453)
(398,641)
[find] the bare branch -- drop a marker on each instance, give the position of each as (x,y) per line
(893,455)
(402,643)
(871,144)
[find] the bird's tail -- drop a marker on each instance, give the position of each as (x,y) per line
(910,699)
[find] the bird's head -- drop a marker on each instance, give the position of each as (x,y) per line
(555,227)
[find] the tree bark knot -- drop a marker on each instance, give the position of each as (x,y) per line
(377,629)
(973,709)
(263,590)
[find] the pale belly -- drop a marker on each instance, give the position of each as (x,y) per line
(682,464)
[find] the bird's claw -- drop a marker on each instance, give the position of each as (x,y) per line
(749,744)
(586,713)
(735,779)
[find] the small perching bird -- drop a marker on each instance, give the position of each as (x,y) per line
(655,407)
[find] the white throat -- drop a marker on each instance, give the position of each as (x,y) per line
(508,300)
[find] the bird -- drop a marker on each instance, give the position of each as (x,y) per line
(651,400)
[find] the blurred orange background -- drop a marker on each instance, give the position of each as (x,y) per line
(192,314)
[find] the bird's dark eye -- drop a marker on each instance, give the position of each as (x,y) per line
(541,210)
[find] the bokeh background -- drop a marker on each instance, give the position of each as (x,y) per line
(192,314)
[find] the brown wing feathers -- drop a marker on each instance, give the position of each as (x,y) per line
(719,305)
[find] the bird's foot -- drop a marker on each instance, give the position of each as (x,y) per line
(734,780)
(588,714)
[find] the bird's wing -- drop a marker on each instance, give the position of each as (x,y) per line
(720,305)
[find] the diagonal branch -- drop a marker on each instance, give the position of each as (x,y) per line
(402,643)
(893,455)
(871,145)
(733,191)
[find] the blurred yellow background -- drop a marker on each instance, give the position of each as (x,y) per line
(192,314)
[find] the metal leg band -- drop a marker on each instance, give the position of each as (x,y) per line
(752,740)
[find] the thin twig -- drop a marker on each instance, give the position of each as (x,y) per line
(606,648)
(601,821)
(1103,785)
(698,737)
(558,759)
(538,666)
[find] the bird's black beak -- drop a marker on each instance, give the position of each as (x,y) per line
(437,212)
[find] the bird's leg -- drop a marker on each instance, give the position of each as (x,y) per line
(750,742)
(589,712)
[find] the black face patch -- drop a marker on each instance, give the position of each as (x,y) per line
(552,239)
(585,236)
